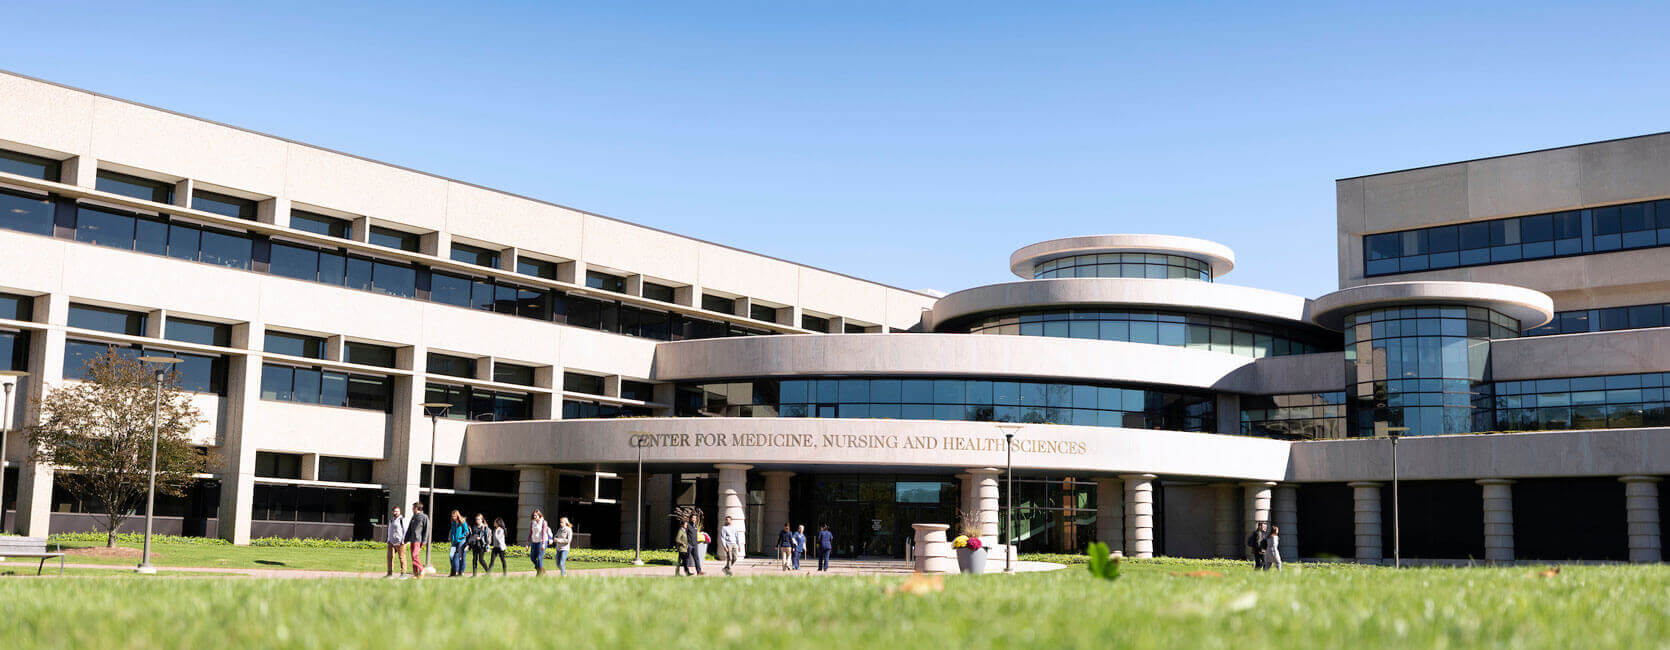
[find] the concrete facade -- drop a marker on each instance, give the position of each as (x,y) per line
(1093,457)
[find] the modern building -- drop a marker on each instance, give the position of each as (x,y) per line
(610,372)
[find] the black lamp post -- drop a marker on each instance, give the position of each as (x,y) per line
(435,411)
(161,368)
(1397,541)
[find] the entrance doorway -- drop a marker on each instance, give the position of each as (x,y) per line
(870,514)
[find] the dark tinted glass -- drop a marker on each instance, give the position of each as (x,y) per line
(24,164)
(344,470)
(449,289)
(369,393)
(276,382)
(78,353)
(321,224)
(578,383)
(446,364)
(17,307)
(25,213)
(224,249)
(134,186)
(221,204)
(194,331)
(719,304)
(96,226)
(295,262)
(200,374)
(14,350)
(391,238)
(638,390)
(475,255)
(295,345)
(606,282)
(814,323)
(105,319)
(370,354)
(1475,235)
(659,292)
(275,465)
(536,268)
(394,280)
(512,374)
(852,328)
(1444,239)
(762,312)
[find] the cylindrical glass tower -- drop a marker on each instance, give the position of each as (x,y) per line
(1422,369)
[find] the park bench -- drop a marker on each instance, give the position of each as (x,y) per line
(31,547)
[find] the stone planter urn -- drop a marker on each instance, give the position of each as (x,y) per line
(971,560)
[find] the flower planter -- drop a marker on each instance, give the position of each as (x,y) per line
(971,560)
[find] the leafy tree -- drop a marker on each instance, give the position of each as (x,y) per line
(97,433)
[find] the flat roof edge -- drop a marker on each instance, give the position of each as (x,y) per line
(1505,155)
(448,179)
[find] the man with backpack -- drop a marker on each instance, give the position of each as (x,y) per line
(1256,545)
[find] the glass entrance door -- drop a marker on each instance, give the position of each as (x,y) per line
(871,515)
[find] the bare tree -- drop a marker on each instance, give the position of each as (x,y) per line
(98,434)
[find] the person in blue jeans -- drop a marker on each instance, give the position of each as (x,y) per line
(457,553)
(799,545)
(539,534)
(826,545)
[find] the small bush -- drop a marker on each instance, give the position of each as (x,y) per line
(133,538)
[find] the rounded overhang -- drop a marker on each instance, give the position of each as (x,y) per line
(844,445)
(1219,256)
(1195,297)
(1530,307)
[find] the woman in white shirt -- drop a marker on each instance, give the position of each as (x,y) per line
(1272,549)
(539,534)
(564,538)
(497,545)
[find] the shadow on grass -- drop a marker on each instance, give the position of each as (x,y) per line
(270,563)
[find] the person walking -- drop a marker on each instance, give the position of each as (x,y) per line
(1255,545)
(785,545)
(480,537)
(417,537)
(1272,549)
(826,545)
(539,534)
(731,541)
(682,542)
(396,539)
(799,545)
(455,544)
(698,543)
(564,539)
(496,547)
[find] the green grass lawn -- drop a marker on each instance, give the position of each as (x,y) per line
(168,554)
(1325,606)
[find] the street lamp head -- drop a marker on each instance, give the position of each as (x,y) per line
(160,359)
(1395,432)
(435,409)
(14,373)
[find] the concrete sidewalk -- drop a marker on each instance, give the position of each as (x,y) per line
(757,567)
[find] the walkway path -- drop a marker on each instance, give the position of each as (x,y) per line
(746,567)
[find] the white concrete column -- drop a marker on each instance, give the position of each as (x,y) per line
(46,367)
(965,503)
(1255,508)
(530,496)
(1365,498)
(986,503)
(733,496)
(1226,539)
(1284,513)
(776,505)
(1641,512)
(1498,519)
(1110,513)
(1139,515)
(933,552)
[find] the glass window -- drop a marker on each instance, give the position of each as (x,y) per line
(134,187)
(104,228)
(369,392)
(394,280)
(358,273)
(221,204)
(605,281)
(184,241)
(306,388)
(449,289)
(814,323)
(24,164)
(512,374)
(333,389)
(344,470)
(762,313)
(536,268)
(276,382)
(106,319)
(151,236)
(17,307)
(195,331)
(659,292)
(475,255)
(369,354)
(25,213)
(396,239)
(295,345)
(638,390)
(719,304)
(321,225)
(228,250)
(276,465)
(455,366)
(294,262)
(577,383)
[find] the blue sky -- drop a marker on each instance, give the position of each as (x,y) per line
(915,143)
